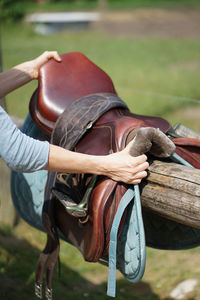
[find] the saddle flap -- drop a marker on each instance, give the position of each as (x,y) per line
(87,233)
(60,83)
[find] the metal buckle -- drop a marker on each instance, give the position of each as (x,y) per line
(48,293)
(38,290)
(89,125)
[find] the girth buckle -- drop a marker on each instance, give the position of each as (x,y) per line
(38,290)
(48,293)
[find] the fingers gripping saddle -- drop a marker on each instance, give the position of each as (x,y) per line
(77,103)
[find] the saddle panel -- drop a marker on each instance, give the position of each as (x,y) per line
(60,83)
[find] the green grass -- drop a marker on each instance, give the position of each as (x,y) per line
(111,4)
(20,250)
(138,67)
(169,4)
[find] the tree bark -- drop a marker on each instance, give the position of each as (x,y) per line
(173,191)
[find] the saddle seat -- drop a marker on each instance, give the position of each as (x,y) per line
(61,83)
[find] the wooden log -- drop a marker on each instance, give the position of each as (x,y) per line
(173,191)
(184,131)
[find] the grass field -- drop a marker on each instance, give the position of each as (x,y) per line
(111,4)
(19,252)
(152,75)
(141,69)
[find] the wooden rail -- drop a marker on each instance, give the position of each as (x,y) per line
(173,191)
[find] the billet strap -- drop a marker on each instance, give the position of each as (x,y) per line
(49,257)
(132,194)
(51,263)
(47,260)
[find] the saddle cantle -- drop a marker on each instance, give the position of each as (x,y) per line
(65,91)
(62,83)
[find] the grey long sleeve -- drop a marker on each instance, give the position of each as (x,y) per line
(21,152)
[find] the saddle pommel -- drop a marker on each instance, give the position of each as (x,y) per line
(153,140)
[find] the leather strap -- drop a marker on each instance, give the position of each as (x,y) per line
(49,256)
(80,116)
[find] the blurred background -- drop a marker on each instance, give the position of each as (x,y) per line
(151,50)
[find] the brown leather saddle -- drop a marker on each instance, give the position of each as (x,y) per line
(73,90)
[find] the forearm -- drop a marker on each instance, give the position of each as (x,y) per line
(23,73)
(20,152)
(120,166)
(25,154)
(62,160)
(15,78)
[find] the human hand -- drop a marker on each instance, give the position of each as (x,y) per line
(24,72)
(121,166)
(36,63)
